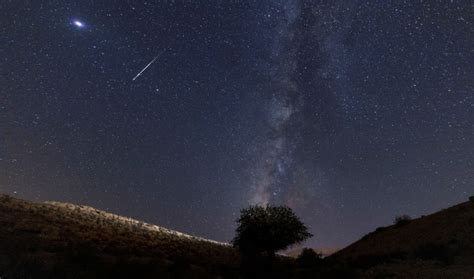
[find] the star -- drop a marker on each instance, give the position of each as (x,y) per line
(78,23)
(282,102)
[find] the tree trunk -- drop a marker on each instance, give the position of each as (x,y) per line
(271,259)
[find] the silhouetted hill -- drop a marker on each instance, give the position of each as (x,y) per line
(60,240)
(440,245)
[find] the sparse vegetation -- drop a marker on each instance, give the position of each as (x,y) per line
(401,220)
(309,258)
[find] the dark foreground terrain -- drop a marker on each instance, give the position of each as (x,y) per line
(440,245)
(59,240)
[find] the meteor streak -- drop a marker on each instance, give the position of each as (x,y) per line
(148,65)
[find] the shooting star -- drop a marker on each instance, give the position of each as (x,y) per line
(148,65)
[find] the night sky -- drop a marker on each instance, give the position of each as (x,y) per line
(350,112)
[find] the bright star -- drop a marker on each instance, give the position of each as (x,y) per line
(78,23)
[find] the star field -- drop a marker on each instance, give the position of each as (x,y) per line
(350,113)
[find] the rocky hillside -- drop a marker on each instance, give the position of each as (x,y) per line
(60,240)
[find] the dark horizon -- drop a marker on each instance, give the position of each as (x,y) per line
(349,113)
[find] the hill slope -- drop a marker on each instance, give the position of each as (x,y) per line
(440,245)
(62,240)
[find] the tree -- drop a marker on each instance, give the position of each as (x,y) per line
(268,229)
(401,220)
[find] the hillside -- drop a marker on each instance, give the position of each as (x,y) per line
(60,240)
(440,245)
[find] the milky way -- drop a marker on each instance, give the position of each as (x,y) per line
(335,41)
(283,101)
(350,112)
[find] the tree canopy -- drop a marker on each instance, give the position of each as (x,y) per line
(268,229)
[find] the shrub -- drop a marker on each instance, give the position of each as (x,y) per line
(401,220)
(471,198)
(309,258)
